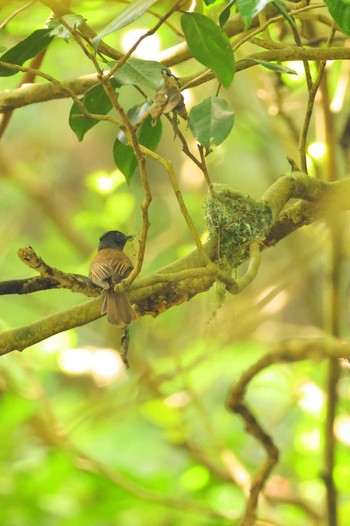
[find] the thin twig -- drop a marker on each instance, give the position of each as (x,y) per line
(309,109)
(185,148)
(170,170)
(132,137)
(333,308)
(305,62)
(14,14)
(204,167)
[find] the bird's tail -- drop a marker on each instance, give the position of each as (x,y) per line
(118,308)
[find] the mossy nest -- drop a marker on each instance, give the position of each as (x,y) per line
(234,221)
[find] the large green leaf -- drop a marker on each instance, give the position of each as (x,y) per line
(211,121)
(28,48)
(134,10)
(340,11)
(148,135)
(250,8)
(139,72)
(209,45)
(95,101)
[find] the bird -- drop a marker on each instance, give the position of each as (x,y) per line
(110,266)
(168,98)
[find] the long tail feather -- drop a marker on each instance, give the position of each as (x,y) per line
(118,308)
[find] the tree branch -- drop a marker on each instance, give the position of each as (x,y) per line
(35,93)
(290,351)
(186,277)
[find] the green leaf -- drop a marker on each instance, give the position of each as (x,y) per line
(225,13)
(139,72)
(28,48)
(250,8)
(96,101)
(275,67)
(209,45)
(124,159)
(60,31)
(148,135)
(340,12)
(211,121)
(134,10)
(279,5)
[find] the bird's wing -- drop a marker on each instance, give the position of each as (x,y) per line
(122,267)
(100,273)
(109,266)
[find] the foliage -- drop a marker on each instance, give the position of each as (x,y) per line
(173,121)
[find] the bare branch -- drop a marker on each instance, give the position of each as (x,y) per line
(290,351)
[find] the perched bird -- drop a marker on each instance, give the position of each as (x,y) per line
(168,98)
(110,266)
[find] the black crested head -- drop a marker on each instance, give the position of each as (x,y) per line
(113,239)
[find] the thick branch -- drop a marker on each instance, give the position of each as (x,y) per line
(34,93)
(185,278)
(19,339)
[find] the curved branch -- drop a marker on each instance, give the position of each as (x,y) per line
(185,278)
(290,351)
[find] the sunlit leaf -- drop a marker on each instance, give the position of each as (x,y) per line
(340,11)
(250,8)
(28,48)
(139,72)
(134,10)
(209,45)
(211,121)
(61,31)
(95,101)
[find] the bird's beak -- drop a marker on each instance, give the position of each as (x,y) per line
(130,237)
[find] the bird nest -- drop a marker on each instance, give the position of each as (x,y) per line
(234,221)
